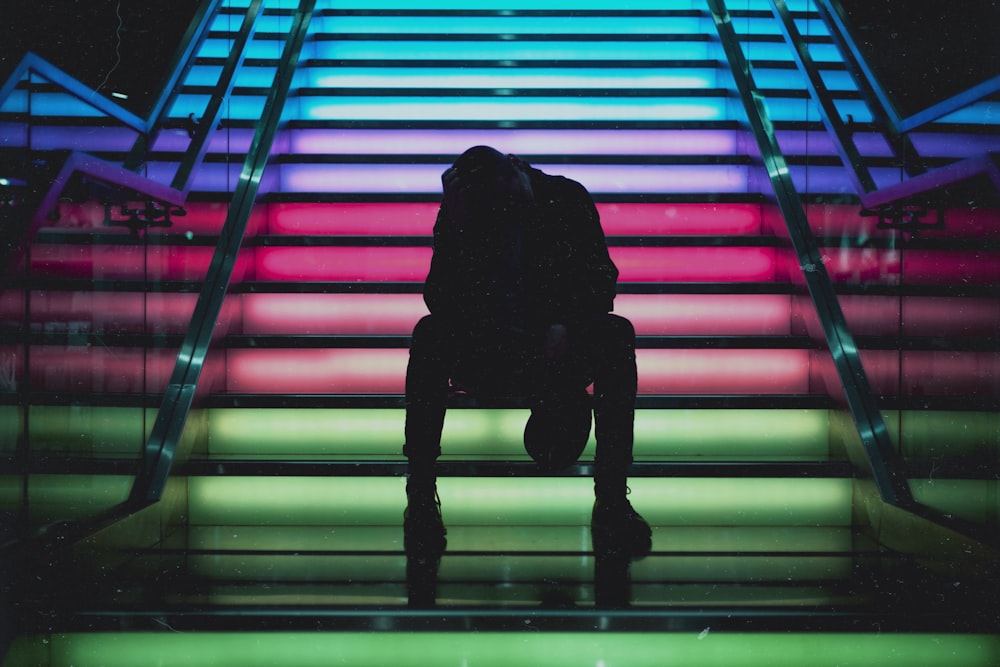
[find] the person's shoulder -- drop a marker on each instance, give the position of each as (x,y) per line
(556,186)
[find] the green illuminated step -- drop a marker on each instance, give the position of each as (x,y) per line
(707,648)
(494,580)
(498,433)
(484,433)
(503,501)
(357,556)
(377,433)
(47,499)
(79,430)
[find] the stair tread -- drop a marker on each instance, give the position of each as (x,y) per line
(451,467)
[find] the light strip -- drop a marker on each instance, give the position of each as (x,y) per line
(89,430)
(519,108)
(941,434)
(96,369)
(102,312)
(417,219)
(509,5)
(921,316)
(556,649)
(515,50)
(532,541)
(498,433)
(500,23)
(306,314)
(452,142)
(426,178)
(126,262)
(89,217)
(635,264)
(396,314)
(513,25)
(468,433)
(508,78)
(53,498)
(381,371)
(504,501)
(605,180)
(932,372)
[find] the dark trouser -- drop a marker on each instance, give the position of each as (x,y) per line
(601,351)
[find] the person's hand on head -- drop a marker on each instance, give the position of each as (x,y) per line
(455,189)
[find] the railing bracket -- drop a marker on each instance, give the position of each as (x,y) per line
(142,217)
(910,219)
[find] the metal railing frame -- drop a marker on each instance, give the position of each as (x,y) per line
(161,448)
(920,181)
(884,466)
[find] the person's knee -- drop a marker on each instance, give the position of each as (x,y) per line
(617,331)
(430,333)
(426,327)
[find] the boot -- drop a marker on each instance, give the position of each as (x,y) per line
(616,528)
(423,529)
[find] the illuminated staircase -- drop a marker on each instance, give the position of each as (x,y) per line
(282,513)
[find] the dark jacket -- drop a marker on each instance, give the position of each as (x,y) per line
(562,274)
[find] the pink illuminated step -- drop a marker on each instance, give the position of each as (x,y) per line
(368,371)
(846,220)
(417,219)
(199,218)
(912,266)
(82,370)
(396,314)
(933,372)
(381,371)
(869,315)
(635,264)
(126,262)
(379,264)
(101,312)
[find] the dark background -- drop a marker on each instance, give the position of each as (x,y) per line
(83,38)
(924,53)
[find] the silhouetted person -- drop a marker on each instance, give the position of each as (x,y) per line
(520,291)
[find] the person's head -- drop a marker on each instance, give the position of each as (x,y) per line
(484,174)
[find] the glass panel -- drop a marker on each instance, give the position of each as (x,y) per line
(96,295)
(922,311)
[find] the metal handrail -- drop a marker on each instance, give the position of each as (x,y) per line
(883,463)
(213,114)
(161,448)
(126,176)
(920,180)
(34,63)
(833,14)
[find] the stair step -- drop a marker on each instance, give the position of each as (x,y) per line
(499,501)
(268,466)
(446,643)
